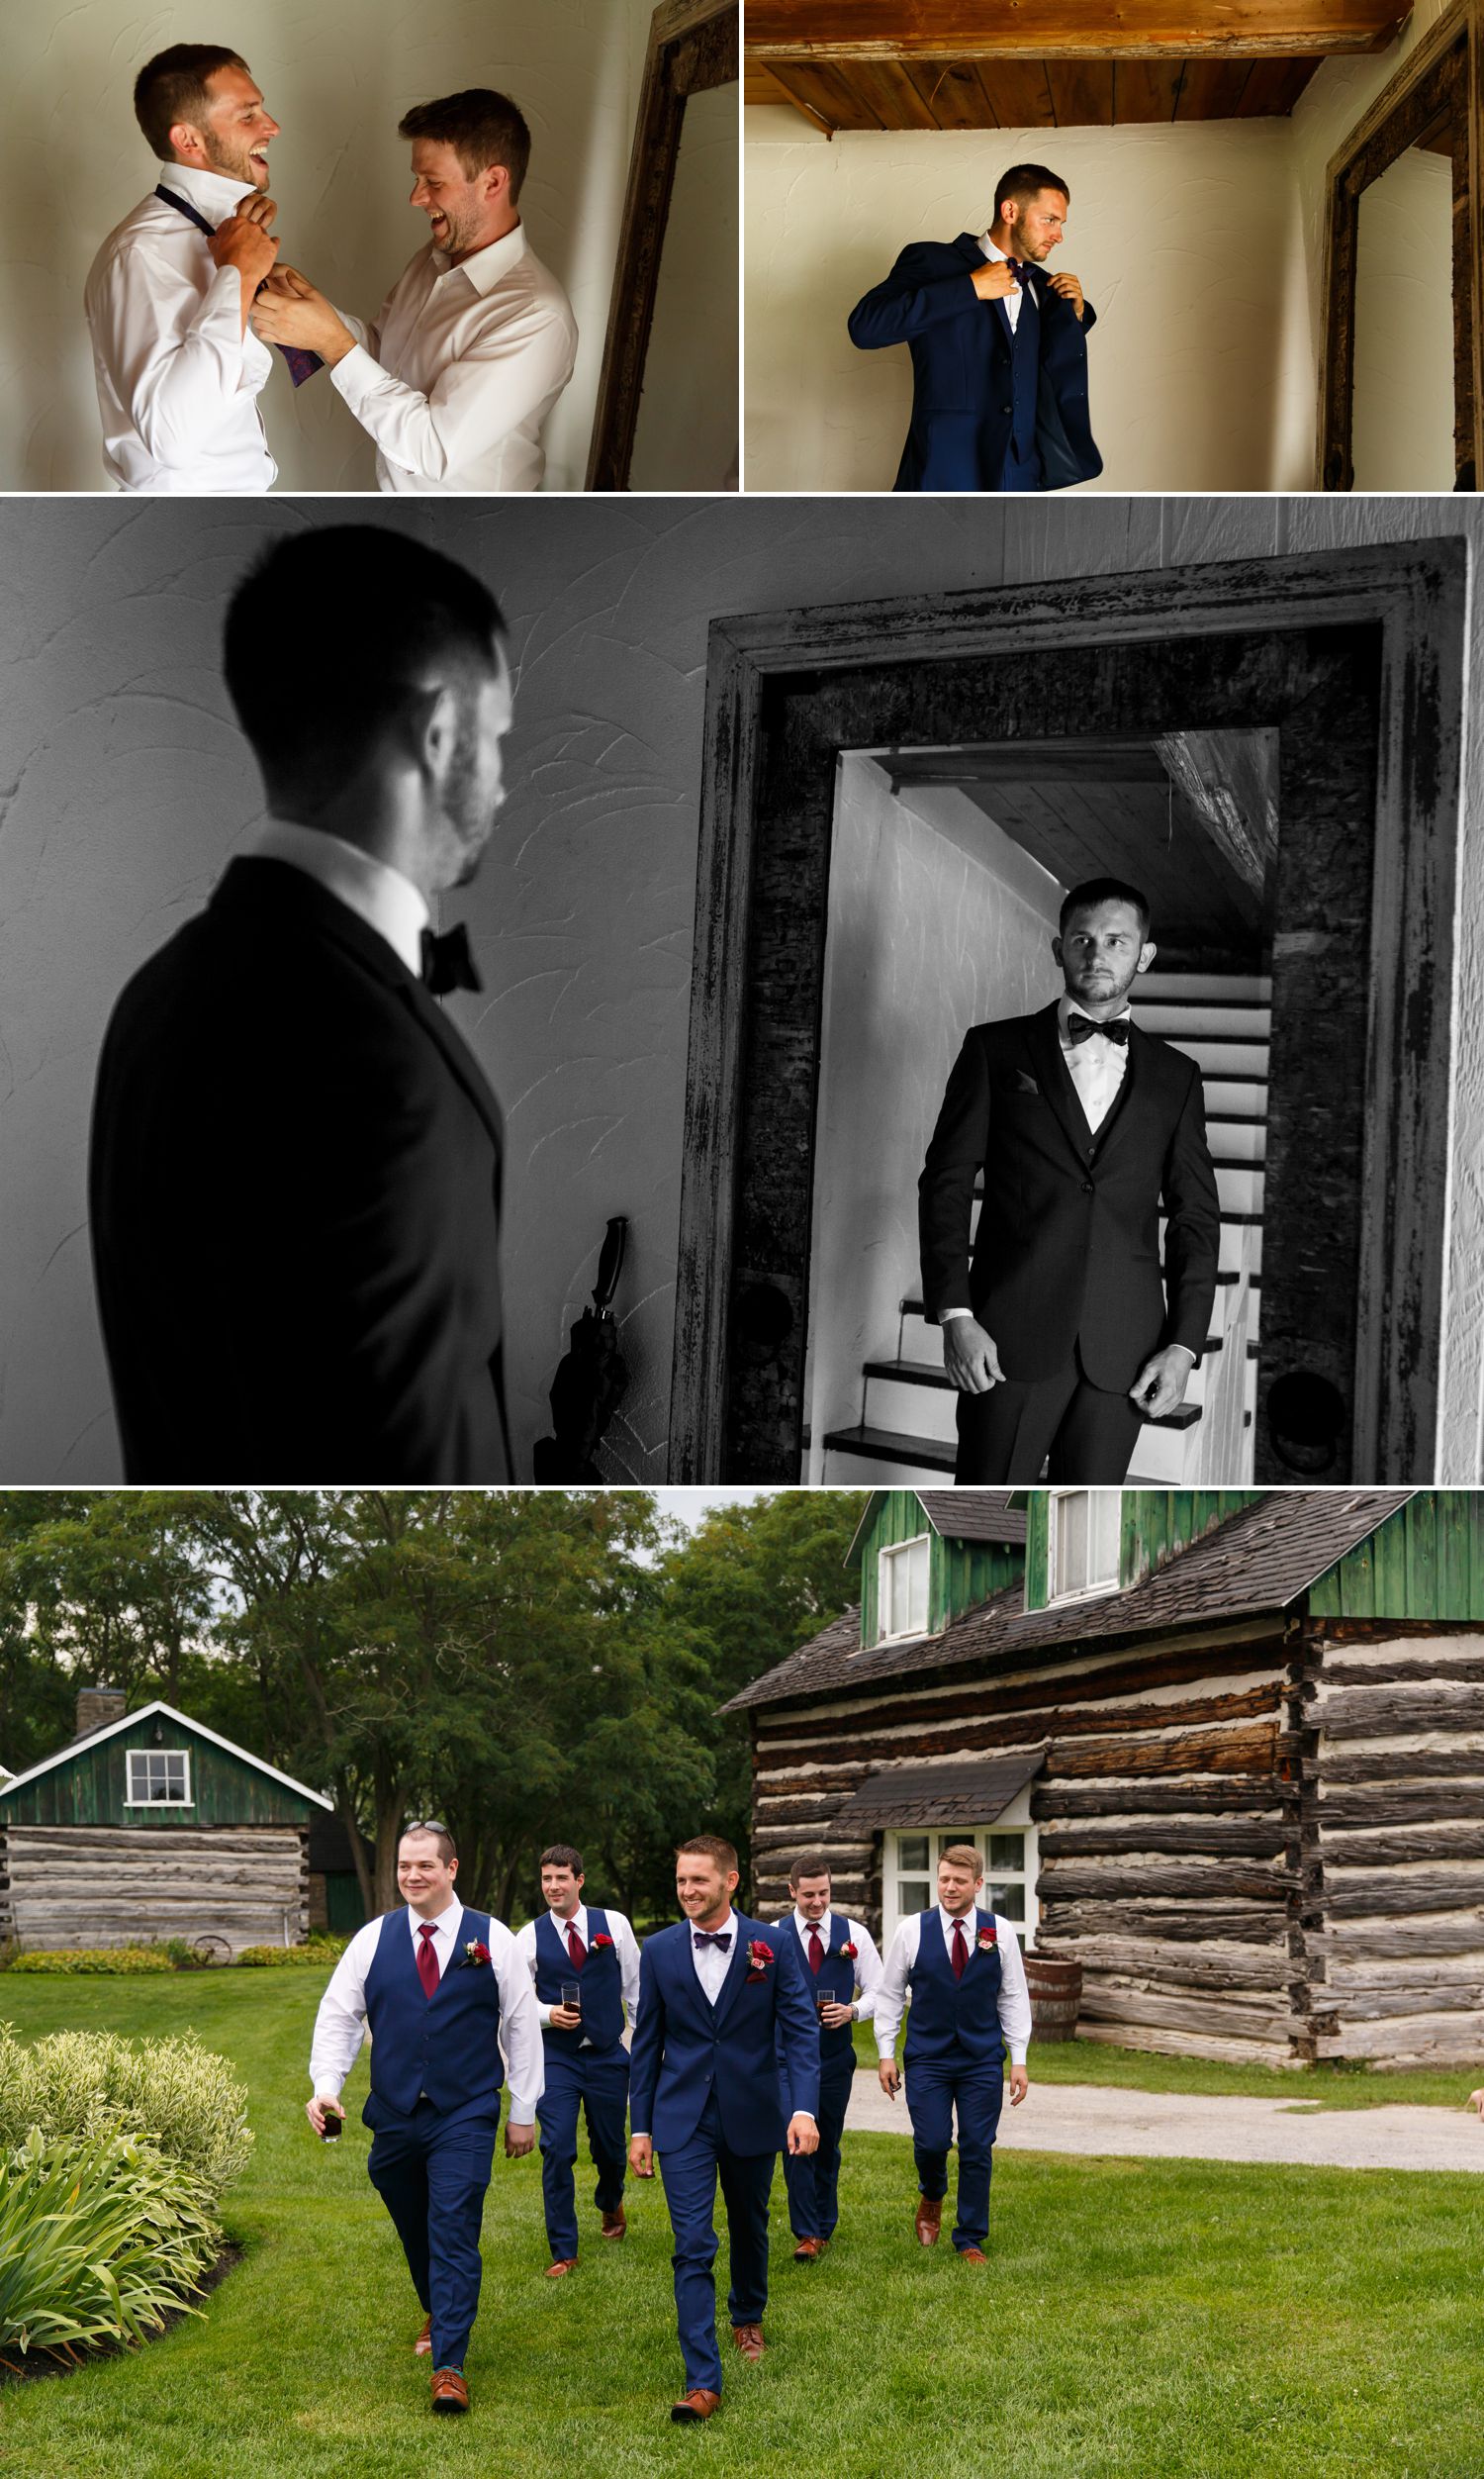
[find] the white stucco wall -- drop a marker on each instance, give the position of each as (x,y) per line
(1402,434)
(124,787)
(338,76)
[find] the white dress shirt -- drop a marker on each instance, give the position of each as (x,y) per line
(386,900)
(868,1965)
(341,2024)
(1012,303)
(178,379)
(461,369)
(1014,1997)
(625,1947)
(1096,1065)
(712,1964)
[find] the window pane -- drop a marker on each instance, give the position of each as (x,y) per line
(1102,1567)
(912,1850)
(1007,1900)
(956,1841)
(1007,1850)
(1071,1540)
(916,1561)
(912,1894)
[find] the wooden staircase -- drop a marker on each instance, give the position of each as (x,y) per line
(905,1432)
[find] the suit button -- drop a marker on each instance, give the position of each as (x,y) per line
(1086,1188)
(1004,409)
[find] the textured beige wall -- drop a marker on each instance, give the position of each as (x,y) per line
(1402,428)
(338,76)
(687,430)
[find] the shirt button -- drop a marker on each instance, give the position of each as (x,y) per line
(1086,1188)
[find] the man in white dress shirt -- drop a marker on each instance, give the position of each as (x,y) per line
(178,367)
(969,2002)
(842,1967)
(476,340)
(596,1953)
(443,1990)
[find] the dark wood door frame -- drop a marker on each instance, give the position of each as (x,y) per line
(786,691)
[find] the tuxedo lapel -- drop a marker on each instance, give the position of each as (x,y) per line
(457,1052)
(1051,1075)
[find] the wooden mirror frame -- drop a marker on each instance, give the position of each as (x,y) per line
(694,45)
(1443,74)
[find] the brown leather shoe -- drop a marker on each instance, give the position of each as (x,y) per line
(929,2220)
(697,2404)
(972,2255)
(809,2250)
(563,2264)
(749,2340)
(424,2344)
(450,2392)
(614,2223)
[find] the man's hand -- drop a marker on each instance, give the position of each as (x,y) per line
(294,312)
(566,2018)
(519,2141)
(1069,289)
(833,2015)
(641,2156)
(889,2075)
(970,1356)
(1020,2084)
(321,2106)
(244,242)
(1162,1381)
(994,282)
(803,2134)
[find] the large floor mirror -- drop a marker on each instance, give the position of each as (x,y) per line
(1399,393)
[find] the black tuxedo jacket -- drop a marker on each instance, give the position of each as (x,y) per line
(1068,1244)
(295,1198)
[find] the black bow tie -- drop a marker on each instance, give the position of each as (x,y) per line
(721,1937)
(446,961)
(1079,1026)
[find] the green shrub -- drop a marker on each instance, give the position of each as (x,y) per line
(92,1958)
(320,1949)
(98,2240)
(90,2085)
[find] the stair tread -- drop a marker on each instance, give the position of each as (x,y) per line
(891,1446)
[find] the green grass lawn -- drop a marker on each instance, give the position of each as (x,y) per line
(1140,2319)
(1346,2086)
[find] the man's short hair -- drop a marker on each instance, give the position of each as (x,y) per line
(562,1855)
(1104,890)
(962,1855)
(172,87)
(708,1847)
(1024,181)
(328,636)
(481,125)
(430,1831)
(811,1863)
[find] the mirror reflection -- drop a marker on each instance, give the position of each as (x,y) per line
(687,436)
(1402,433)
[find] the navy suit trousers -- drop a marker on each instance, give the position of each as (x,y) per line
(432,2174)
(690,2172)
(576,2080)
(813,2177)
(977,2086)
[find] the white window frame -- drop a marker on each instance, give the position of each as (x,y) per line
(899,1549)
(1014,1819)
(175,1806)
(1099,1586)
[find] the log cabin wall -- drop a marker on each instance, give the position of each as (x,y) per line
(121,1884)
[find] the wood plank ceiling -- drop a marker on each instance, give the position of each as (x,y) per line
(905,64)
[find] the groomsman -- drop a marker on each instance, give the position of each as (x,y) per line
(443,1990)
(969,2001)
(721,1996)
(587,2064)
(840,1958)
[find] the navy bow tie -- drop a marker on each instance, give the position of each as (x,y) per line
(721,1937)
(1079,1026)
(446,961)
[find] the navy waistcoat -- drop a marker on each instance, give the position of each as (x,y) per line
(447,2045)
(954,2019)
(600,1979)
(835,1977)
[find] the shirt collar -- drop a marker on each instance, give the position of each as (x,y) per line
(804,1926)
(484,268)
(730,1922)
(561,1925)
(446,1923)
(378,893)
(1067,1002)
(951,1920)
(992,249)
(214,193)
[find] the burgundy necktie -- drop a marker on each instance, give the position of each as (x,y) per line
(961,1951)
(816,1951)
(575,1947)
(428,1961)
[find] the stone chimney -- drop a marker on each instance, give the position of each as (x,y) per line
(99,1706)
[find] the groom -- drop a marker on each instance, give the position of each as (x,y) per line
(719,1996)
(442,1990)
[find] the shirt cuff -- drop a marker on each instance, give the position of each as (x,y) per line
(1183,1346)
(545,2013)
(523,2111)
(1017,2056)
(355,374)
(946,1316)
(328,2086)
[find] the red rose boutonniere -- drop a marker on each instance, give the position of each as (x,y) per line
(987,1941)
(759,1957)
(599,1942)
(476,1954)
(848,1950)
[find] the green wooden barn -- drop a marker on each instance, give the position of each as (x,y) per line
(1223,1749)
(147,1824)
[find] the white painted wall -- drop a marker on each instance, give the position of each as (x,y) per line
(937,921)
(1403,425)
(687,436)
(338,76)
(123,788)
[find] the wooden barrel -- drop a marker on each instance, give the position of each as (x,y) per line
(1056,1996)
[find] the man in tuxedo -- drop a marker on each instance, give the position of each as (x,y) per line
(720,1997)
(296,1159)
(575,1947)
(1057,1330)
(964,1968)
(443,1990)
(999,350)
(841,1969)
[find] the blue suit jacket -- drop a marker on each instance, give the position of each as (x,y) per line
(684,2047)
(960,371)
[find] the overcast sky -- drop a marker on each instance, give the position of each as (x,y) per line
(689,1505)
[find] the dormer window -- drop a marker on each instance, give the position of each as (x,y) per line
(902,1590)
(158,1777)
(1082,1542)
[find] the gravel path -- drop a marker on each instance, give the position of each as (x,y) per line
(1181,2126)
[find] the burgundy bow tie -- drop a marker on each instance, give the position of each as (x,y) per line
(1078,1028)
(446,961)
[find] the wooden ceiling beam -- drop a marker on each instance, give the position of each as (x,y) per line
(1107,30)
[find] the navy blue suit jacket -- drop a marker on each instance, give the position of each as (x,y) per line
(960,371)
(684,2047)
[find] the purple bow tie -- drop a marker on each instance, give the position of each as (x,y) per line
(302,365)
(721,1937)
(1078,1027)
